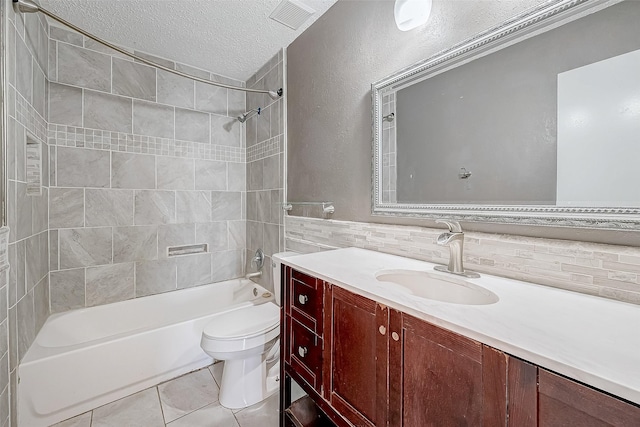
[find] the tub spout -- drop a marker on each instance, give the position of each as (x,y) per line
(252,275)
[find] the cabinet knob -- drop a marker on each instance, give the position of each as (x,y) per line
(302,299)
(395,336)
(302,351)
(382,330)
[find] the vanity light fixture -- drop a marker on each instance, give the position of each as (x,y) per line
(410,14)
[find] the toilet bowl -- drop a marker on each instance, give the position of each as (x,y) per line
(247,340)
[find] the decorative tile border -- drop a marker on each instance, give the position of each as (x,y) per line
(603,270)
(71,136)
(28,117)
(265,148)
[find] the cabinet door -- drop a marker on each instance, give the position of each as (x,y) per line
(439,378)
(522,392)
(563,402)
(358,353)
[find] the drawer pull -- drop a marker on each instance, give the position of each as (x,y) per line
(302,299)
(302,351)
(382,330)
(395,336)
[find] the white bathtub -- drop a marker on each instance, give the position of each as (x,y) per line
(86,358)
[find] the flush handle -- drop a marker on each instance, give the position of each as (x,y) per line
(302,299)
(302,351)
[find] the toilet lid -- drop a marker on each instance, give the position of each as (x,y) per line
(244,322)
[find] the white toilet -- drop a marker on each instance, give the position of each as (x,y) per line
(247,340)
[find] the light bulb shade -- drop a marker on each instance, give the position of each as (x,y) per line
(410,14)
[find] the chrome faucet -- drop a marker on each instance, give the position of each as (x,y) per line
(454,238)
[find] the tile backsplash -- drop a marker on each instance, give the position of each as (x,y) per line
(603,270)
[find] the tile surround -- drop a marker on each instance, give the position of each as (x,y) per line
(149,185)
(78,167)
(109,283)
(596,269)
(153,119)
(175,90)
(24,287)
(71,136)
(265,167)
(83,67)
(77,231)
(107,112)
(133,80)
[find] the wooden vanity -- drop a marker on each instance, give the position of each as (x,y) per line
(363,363)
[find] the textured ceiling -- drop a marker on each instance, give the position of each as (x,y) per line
(233,38)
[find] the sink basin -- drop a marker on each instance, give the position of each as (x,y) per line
(437,286)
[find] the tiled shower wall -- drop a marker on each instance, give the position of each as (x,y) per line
(141,160)
(596,269)
(24,302)
(134,160)
(265,167)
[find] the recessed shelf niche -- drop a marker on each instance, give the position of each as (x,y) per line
(34,166)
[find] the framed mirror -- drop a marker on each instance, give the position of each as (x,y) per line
(535,121)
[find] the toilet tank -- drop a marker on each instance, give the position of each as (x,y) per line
(276,263)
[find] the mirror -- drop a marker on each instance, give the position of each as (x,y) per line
(536,121)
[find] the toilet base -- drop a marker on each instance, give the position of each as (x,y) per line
(246,382)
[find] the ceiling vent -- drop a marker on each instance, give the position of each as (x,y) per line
(292,13)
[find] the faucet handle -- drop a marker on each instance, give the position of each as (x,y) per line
(454,226)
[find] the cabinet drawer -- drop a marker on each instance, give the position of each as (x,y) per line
(307,301)
(306,354)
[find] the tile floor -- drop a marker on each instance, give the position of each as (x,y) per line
(187,401)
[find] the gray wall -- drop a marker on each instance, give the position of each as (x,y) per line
(330,70)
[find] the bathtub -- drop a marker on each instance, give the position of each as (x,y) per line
(88,357)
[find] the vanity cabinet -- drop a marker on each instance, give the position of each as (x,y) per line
(388,368)
(365,364)
(303,326)
(563,402)
(357,352)
(441,378)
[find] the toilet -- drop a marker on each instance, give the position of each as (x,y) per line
(247,340)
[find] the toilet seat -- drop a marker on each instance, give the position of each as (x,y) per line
(246,322)
(246,328)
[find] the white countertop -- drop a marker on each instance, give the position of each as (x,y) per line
(593,340)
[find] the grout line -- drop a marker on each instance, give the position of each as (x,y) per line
(160,401)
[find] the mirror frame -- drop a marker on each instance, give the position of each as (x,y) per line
(3,121)
(528,24)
